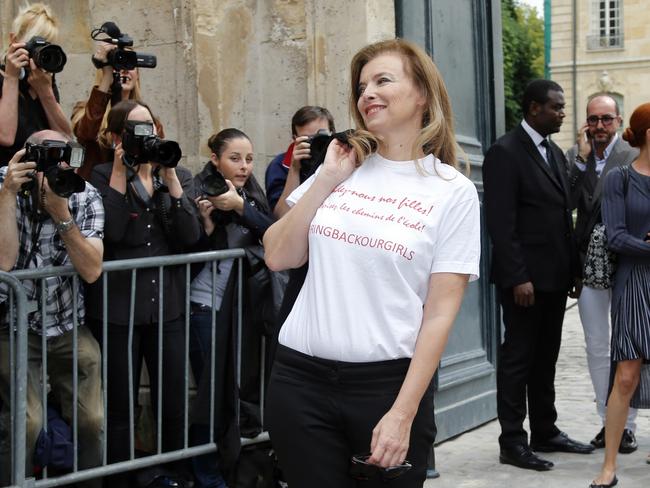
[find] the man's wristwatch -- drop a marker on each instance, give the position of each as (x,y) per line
(64,226)
(580,159)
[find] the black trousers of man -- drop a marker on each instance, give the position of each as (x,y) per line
(526,367)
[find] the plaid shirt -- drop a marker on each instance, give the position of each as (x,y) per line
(49,250)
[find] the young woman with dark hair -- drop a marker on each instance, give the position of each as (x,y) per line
(235,218)
(149,212)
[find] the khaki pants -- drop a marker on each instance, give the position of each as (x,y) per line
(90,414)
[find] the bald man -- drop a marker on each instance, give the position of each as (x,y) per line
(41,230)
(598,149)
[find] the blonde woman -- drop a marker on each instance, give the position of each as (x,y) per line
(89,117)
(29,98)
(391,231)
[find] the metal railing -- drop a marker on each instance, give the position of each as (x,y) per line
(18,305)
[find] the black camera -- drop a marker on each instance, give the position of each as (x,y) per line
(214,184)
(47,155)
(319,143)
(48,57)
(318,146)
(141,146)
(121,58)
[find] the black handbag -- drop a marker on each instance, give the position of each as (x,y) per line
(600,262)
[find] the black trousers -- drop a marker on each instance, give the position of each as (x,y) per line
(526,366)
(320,413)
(145,346)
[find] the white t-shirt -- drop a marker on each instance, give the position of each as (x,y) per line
(373,244)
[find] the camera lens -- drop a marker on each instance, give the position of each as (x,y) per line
(165,153)
(65,182)
(50,58)
(121,59)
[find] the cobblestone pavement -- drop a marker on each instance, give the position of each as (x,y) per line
(472,459)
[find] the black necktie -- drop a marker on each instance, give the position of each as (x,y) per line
(551,160)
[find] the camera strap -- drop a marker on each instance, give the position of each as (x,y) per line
(157,200)
(140,190)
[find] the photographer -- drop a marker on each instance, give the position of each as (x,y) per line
(148,213)
(234,213)
(283,173)
(29,99)
(89,117)
(39,230)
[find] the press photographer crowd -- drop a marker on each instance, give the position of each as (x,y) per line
(357,254)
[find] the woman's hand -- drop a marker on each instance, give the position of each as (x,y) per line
(170,178)
(101,51)
(17,58)
(231,200)
(118,159)
(118,171)
(340,162)
(39,80)
(205,211)
(101,54)
(390,439)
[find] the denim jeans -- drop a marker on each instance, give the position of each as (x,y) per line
(206,470)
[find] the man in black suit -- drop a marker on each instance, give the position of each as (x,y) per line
(534,266)
(598,150)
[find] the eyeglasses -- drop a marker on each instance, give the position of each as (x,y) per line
(361,469)
(593,120)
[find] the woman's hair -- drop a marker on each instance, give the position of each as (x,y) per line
(35,20)
(635,134)
(119,114)
(218,142)
(79,110)
(437,134)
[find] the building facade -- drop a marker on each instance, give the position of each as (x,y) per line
(251,63)
(599,46)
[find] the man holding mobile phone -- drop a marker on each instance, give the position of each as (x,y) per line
(598,149)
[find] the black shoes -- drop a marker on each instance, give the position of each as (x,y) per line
(562,443)
(522,457)
(628,441)
(599,441)
(614,482)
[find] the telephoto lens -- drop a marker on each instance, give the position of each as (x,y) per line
(141,145)
(48,57)
(165,153)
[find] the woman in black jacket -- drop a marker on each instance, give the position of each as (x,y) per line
(235,216)
(148,213)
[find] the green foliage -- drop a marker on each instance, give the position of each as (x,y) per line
(523,54)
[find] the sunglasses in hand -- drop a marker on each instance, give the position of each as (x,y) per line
(361,469)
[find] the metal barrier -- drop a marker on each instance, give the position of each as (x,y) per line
(18,310)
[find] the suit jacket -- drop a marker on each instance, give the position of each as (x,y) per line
(528,215)
(586,197)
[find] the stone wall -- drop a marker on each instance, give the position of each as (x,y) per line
(226,63)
